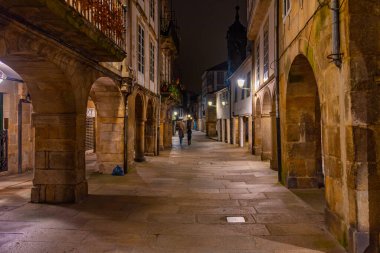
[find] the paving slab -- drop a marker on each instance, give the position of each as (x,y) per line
(177,202)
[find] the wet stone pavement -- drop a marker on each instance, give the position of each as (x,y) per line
(177,202)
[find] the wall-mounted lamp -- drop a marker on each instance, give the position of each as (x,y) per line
(224,103)
(2,76)
(241,82)
(210,103)
(175,113)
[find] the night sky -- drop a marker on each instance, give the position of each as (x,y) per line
(203,27)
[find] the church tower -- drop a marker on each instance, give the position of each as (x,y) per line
(236,44)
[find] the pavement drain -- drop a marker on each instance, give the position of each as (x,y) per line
(236,219)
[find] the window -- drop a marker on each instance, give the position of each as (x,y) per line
(242,92)
(220,77)
(141,50)
(258,63)
(266,51)
(210,81)
(152,61)
(249,84)
(152,9)
(235,94)
(286,10)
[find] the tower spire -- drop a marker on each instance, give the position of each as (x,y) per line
(237,17)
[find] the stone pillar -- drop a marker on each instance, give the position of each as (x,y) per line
(162,135)
(59,175)
(274,161)
(110,143)
(139,139)
(266,140)
(223,123)
(258,134)
(241,132)
(250,136)
(150,137)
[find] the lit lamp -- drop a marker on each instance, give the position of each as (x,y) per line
(189,116)
(175,113)
(224,103)
(210,103)
(241,83)
(2,76)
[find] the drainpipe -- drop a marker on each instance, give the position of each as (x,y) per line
(336,55)
(126,133)
(277,77)
(19,131)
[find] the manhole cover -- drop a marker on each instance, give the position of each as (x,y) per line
(237,219)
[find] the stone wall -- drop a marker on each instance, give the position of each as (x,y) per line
(345,99)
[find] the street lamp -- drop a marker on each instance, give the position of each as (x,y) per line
(210,103)
(175,113)
(224,103)
(241,82)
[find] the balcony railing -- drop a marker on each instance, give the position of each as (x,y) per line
(106,15)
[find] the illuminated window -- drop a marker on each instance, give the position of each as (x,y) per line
(152,61)
(152,8)
(266,51)
(141,50)
(257,63)
(249,84)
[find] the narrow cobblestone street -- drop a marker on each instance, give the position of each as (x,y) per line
(179,203)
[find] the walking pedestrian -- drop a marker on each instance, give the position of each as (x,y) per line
(189,132)
(180,135)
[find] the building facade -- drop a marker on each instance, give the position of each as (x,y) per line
(241,101)
(261,30)
(306,56)
(223,108)
(171,91)
(213,80)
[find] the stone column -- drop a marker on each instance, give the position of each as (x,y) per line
(150,137)
(241,132)
(258,134)
(140,133)
(59,175)
(223,123)
(110,140)
(274,161)
(162,137)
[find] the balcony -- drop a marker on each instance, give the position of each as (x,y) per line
(171,91)
(93,28)
(257,10)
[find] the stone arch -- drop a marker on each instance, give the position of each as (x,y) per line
(58,118)
(303,159)
(150,129)
(109,104)
(140,117)
(266,126)
(257,121)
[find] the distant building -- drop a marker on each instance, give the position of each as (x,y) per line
(213,80)
(241,105)
(223,114)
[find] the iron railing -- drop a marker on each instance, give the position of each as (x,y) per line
(108,16)
(3,150)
